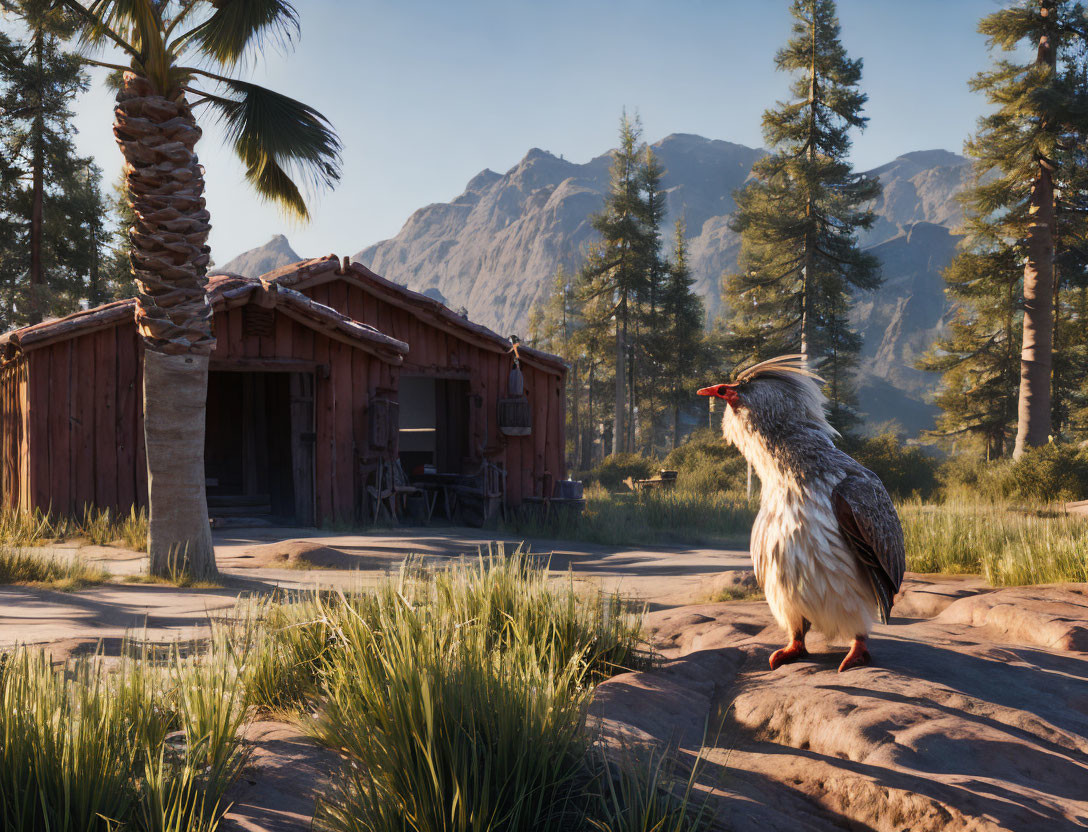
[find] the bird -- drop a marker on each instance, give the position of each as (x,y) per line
(827,545)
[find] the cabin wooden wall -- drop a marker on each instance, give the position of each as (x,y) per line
(84,424)
(529,460)
(71,415)
(341,398)
(14,410)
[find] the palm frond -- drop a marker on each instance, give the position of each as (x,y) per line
(237,26)
(280,140)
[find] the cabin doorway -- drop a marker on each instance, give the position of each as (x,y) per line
(259,446)
(434,425)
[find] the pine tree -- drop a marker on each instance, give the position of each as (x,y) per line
(650,337)
(615,273)
(800,262)
(1019,282)
(685,352)
(57,222)
(1036,103)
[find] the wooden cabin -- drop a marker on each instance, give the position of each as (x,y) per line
(320,369)
(454,382)
(71,418)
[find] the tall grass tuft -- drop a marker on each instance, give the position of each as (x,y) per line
(1008,545)
(25,566)
(679,515)
(145,746)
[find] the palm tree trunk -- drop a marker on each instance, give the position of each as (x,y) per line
(157,134)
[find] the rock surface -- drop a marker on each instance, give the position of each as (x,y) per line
(973,717)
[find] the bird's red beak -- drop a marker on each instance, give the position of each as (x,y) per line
(721,391)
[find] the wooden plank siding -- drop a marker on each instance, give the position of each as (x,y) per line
(71,413)
(530,461)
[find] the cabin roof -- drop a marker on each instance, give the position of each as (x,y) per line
(226,291)
(306,273)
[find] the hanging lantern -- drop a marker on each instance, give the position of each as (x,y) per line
(515,415)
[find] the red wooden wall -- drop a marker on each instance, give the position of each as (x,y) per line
(433,351)
(71,415)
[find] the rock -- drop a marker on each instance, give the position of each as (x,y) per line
(975,719)
(293,554)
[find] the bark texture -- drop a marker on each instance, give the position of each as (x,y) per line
(175,395)
(157,135)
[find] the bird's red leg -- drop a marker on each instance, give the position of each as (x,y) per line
(794,650)
(858,655)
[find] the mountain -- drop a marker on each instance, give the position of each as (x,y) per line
(493,249)
(257,261)
(534,217)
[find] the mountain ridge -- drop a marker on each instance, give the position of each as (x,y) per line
(493,248)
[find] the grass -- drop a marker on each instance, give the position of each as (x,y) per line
(24,566)
(146,746)
(675,516)
(736,593)
(97,526)
(456,699)
(1006,544)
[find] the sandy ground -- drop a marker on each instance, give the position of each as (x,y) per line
(79,620)
(973,717)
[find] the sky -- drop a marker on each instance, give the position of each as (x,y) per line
(427,93)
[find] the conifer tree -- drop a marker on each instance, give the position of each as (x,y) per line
(685,355)
(615,273)
(1019,281)
(800,262)
(1036,102)
(651,338)
(58,222)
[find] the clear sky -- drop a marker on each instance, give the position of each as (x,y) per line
(426,93)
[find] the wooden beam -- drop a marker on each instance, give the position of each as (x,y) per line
(267,365)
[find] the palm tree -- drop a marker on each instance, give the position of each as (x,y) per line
(169,46)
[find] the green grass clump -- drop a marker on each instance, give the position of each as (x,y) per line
(678,515)
(98,526)
(1009,546)
(147,747)
(55,572)
(458,699)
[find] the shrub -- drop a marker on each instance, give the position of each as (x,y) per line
(903,469)
(706,463)
(615,468)
(1052,473)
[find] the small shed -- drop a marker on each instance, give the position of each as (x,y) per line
(71,404)
(453,388)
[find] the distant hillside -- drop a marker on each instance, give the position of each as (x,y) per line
(257,261)
(493,248)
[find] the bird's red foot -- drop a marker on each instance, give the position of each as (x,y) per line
(858,655)
(790,653)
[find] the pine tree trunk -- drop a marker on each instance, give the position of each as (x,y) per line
(1036,354)
(1033,416)
(675,426)
(157,135)
(37,200)
(618,432)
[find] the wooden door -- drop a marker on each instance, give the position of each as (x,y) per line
(303,440)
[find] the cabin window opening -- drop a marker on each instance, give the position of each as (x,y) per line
(433,435)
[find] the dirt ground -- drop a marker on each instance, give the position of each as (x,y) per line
(973,717)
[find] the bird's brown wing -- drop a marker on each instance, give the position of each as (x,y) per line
(868,521)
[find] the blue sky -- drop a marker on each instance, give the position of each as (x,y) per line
(426,94)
